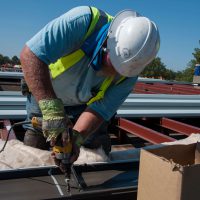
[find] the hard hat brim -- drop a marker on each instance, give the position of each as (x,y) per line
(118,19)
(112,32)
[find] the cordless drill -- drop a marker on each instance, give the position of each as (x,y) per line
(62,153)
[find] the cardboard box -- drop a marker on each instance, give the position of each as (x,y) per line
(170,173)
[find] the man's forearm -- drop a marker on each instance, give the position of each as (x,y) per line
(88,122)
(36,74)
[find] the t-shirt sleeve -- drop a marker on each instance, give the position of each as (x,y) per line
(61,36)
(113,98)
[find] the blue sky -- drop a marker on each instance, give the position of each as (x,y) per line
(178,22)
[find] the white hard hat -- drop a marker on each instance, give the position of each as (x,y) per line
(133,42)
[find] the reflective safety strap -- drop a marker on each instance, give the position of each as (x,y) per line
(107,82)
(104,86)
(120,80)
(99,18)
(95,18)
(110,18)
(68,61)
(65,63)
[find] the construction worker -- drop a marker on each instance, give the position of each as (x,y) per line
(84,64)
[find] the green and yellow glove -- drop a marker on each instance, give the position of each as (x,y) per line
(77,140)
(55,121)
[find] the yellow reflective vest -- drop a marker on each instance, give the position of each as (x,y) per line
(99,18)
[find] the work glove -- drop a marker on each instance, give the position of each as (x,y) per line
(55,121)
(77,140)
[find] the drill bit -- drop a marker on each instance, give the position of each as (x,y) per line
(65,167)
(67,174)
(67,180)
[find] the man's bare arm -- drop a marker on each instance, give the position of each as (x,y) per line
(36,74)
(88,122)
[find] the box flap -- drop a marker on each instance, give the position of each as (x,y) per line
(180,154)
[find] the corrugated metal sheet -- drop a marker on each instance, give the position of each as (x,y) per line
(13,75)
(160,105)
(12,105)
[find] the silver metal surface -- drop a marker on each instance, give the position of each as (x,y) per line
(13,75)
(10,94)
(182,112)
(13,114)
(152,80)
(12,105)
(160,105)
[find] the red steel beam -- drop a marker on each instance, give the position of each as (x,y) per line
(179,127)
(140,91)
(155,88)
(145,133)
(5,130)
(167,89)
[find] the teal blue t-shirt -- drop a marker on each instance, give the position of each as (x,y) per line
(75,86)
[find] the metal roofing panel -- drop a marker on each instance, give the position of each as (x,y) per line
(182,112)
(14,75)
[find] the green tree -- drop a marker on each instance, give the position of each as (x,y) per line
(155,69)
(196,55)
(15,60)
(169,74)
(6,60)
(178,76)
(187,74)
(1,59)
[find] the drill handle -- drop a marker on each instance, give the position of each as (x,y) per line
(59,140)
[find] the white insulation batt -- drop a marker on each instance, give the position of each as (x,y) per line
(17,155)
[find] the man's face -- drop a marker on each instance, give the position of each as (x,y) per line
(107,67)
